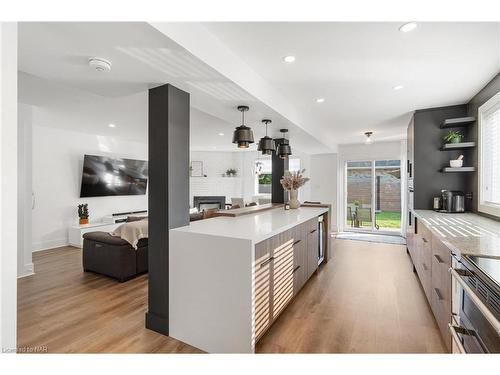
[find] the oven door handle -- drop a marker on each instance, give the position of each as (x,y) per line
(454,334)
(475,299)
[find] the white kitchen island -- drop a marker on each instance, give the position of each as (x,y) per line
(231,277)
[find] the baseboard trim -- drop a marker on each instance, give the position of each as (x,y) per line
(46,245)
(28,270)
(157,323)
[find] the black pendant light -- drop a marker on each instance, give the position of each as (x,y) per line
(266,144)
(243,135)
(284,150)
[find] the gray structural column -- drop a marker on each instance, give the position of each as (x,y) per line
(279,166)
(168,192)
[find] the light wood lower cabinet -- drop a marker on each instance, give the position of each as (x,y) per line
(432,259)
(441,288)
(299,257)
(312,247)
(282,265)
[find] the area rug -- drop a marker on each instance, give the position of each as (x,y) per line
(397,240)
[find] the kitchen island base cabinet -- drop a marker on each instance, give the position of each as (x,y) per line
(232,277)
(289,259)
(431,259)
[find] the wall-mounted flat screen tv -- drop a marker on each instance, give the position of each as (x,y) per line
(105,176)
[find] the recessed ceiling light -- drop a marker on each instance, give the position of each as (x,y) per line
(221,134)
(289,59)
(320,100)
(112,125)
(398,87)
(408,27)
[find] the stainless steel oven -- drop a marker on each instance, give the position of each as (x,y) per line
(475,326)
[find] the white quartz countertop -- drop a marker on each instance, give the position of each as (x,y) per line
(465,233)
(254,227)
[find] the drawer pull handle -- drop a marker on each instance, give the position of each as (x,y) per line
(456,338)
(314,230)
(438,258)
(296,242)
(475,299)
(296,269)
(424,239)
(267,261)
(425,267)
(440,298)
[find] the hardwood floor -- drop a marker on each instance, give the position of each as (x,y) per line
(366,300)
(65,310)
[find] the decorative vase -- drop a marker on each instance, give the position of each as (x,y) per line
(84,221)
(294,202)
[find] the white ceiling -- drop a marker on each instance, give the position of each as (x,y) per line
(352,65)
(355,66)
(142,58)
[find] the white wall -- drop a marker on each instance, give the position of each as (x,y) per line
(8,185)
(25,157)
(323,184)
(358,152)
(215,163)
(57,168)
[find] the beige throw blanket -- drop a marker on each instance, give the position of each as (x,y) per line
(132,232)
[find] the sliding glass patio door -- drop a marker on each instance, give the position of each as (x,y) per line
(373,196)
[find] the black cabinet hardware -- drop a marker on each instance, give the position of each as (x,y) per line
(438,258)
(438,294)
(267,261)
(296,269)
(296,242)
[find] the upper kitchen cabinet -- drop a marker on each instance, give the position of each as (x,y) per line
(427,155)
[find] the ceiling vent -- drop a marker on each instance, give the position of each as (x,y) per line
(99,64)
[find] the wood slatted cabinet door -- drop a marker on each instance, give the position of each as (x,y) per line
(262,288)
(282,273)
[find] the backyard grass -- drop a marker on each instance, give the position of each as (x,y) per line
(385,219)
(389,219)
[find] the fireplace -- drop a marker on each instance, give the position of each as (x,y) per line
(206,202)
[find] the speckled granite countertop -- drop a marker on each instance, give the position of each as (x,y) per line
(465,233)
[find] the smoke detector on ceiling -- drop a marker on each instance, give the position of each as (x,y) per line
(99,64)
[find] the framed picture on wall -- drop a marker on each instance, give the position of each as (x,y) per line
(196,169)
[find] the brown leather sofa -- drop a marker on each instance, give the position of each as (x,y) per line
(114,257)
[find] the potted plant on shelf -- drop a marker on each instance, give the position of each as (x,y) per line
(231,172)
(453,136)
(292,181)
(83,213)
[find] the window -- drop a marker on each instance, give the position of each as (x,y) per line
(489,156)
(263,174)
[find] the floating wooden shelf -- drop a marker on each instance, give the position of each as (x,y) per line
(458,170)
(457,122)
(458,146)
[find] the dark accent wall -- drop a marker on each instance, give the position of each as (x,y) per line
(168,191)
(279,166)
(491,89)
(428,159)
